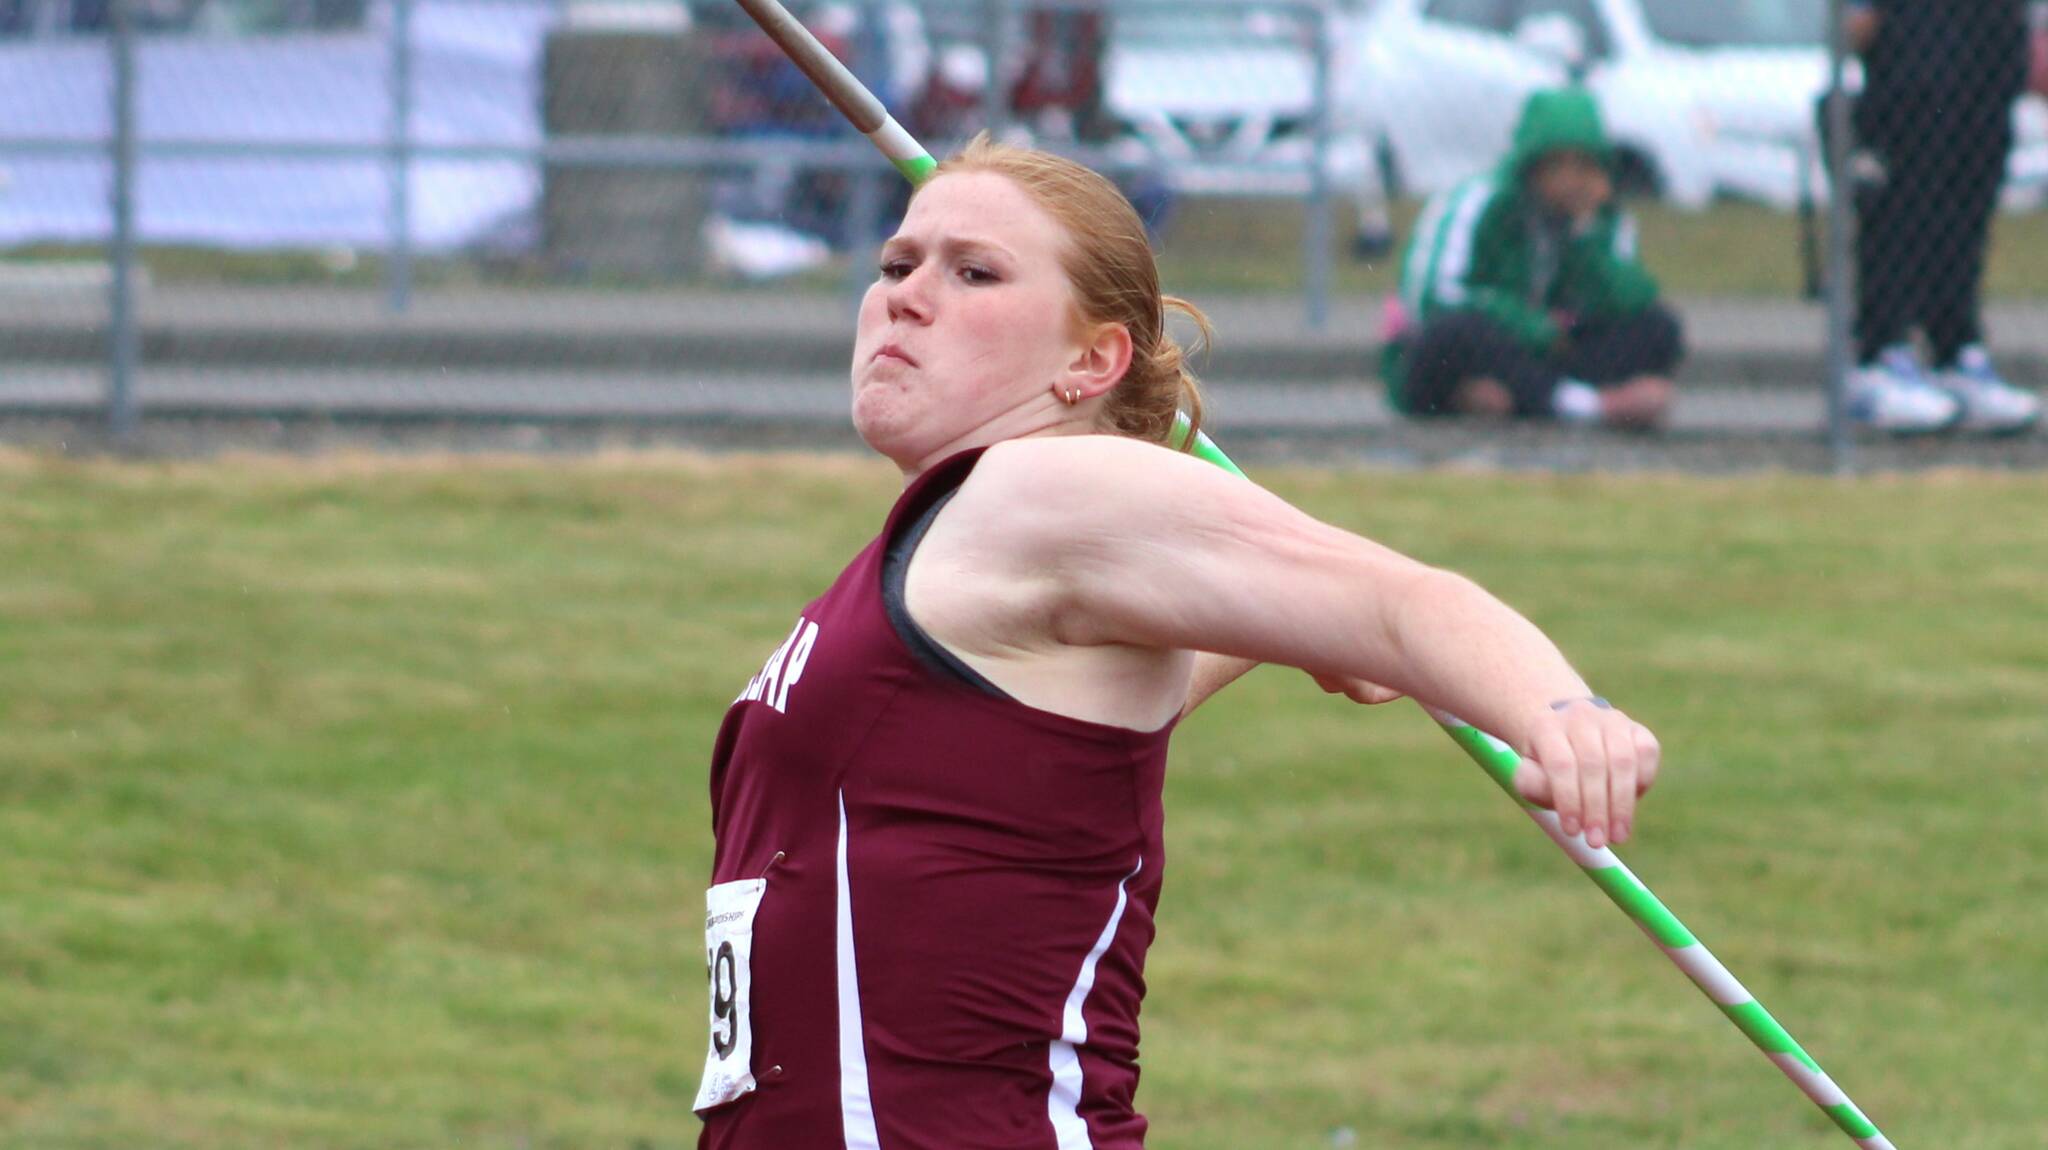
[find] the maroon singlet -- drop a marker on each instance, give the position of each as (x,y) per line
(949,952)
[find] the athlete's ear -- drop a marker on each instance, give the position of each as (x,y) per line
(1101,357)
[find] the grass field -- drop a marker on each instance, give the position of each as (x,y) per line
(1734,249)
(361,804)
(1211,245)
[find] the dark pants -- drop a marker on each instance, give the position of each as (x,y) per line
(1459,346)
(1925,207)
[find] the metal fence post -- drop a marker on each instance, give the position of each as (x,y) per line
(398,266)
(995,103)
(867,185)
(122,417)
(1841,274)
(1315,235)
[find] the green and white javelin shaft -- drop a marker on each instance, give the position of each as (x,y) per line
(847,93)
(1500,761)
(1611,875)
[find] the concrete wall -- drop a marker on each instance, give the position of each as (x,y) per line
(624,82)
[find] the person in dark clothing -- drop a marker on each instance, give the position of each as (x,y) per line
(1521,293)
(1934,130)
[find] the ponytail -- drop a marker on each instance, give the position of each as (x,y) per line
(1160,386)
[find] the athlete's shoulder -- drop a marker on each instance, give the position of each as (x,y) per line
(1080,475)
(1086,451)
(1043,501)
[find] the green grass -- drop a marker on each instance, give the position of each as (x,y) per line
(1729,249)
(1210,245)
(361,804)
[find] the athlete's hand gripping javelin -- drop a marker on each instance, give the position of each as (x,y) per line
(1563,732)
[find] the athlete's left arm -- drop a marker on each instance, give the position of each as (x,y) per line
(1120,542)
(1110,541)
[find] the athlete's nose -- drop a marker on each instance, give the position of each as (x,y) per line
(910,297)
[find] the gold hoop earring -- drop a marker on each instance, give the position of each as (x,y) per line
(1073,396)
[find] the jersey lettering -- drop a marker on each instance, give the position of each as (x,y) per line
(797,659)
(783,668)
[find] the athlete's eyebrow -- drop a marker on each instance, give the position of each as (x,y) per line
(954,245)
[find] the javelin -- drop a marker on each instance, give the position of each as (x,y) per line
(1498,759)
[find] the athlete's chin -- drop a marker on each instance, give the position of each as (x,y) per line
(883,420)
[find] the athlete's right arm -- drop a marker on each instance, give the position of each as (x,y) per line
(1122,542)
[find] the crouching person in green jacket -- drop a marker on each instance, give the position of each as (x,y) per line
(1521,293)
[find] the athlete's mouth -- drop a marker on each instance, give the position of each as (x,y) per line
(894,351)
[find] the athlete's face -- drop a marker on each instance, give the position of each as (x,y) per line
(969,330)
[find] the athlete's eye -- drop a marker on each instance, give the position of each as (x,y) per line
(896,269)
(976,274)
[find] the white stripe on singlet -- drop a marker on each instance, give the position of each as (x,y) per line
(1064,1102)
(856,1105)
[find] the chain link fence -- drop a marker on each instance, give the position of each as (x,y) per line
(637,210)
(1943,128)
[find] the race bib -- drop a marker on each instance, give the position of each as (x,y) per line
(728,952)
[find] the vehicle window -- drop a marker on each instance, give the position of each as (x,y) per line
(1491,15)
(1582,13)
(1738,23)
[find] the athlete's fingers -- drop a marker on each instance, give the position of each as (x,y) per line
(1649,756)
(1370,693)
(1589,745)
(1531,783)
(1622,766)
(1552,749)
(1357,690)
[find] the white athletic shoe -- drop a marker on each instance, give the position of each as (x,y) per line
(1990,405)
(1894,395)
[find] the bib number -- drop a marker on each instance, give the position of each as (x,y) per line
(728,957)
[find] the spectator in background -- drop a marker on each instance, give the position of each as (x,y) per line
(2037,42)
(1933,129)
(787,216)
(1058,96)
(1059,86)
(1521,293)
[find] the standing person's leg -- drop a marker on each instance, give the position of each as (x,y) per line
(1462,363)
(1959,228)
(1897,176)
(1375,235)
(1980,141)
(1879,178)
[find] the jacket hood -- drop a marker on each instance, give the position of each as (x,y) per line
(1557,120)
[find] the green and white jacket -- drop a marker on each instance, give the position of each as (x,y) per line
(1487,246)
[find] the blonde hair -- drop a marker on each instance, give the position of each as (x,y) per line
(1109,263)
